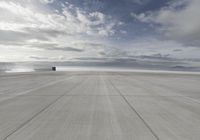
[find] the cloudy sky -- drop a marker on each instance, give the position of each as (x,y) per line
(100,30)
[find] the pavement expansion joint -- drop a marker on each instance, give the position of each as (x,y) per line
(42,110)
(134,110)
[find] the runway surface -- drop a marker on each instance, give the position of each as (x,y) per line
(99,106)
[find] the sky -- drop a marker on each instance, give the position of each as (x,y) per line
(154,31)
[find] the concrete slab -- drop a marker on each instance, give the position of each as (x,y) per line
(83,117)
(173,118)
(100,106)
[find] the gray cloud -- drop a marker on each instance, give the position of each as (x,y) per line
(42,45)
(178,21)
(7,36)
(67,49)
(177,50)
(158,57)
(38,58)
(136,62)
(91,44)
(92,59)
(39,32)
(54,47)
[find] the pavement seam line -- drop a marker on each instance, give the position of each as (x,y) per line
(35,89)
(42,86)
(134,110)
(42,110)
(177,94)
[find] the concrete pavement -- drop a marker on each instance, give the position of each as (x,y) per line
(99,106)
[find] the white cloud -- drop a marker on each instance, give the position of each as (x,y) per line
(31,25)
(47,1)
(29,30)
(72,20)
(179,20)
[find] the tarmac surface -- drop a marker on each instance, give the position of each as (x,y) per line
(99,106)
